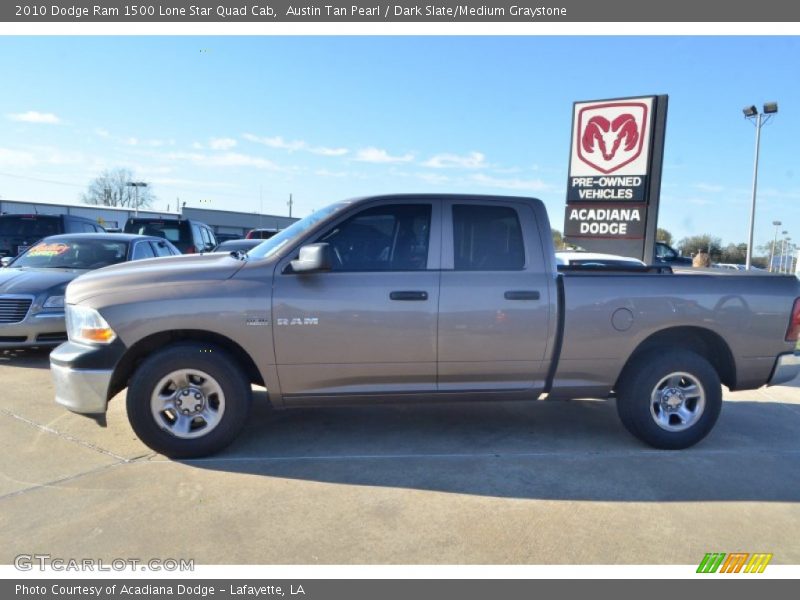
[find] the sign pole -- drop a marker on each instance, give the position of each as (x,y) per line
(654,183)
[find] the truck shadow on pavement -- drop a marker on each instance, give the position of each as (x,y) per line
(574,450)
(26,358)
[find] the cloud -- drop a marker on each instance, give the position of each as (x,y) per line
(530,185)
(227,159)
(294,145)
(327,173)
(193,183)
(276,142)
(473,160)
(102,132)
(434,178)
(708,187)
(221,143)
(323,151)
(33,116)
(377,155)
(153,143)
(16,158)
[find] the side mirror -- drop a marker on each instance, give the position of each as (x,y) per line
(6,260)
(313,258)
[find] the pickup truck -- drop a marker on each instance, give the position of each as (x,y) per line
(416,298)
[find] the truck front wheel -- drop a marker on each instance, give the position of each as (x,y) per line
(188,400)
(669,399)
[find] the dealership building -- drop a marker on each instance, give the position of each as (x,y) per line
(221,221)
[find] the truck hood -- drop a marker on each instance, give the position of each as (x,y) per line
(35,281)
(191,268)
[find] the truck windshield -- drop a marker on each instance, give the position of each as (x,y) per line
(269,247)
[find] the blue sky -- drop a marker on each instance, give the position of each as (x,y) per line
(225,121)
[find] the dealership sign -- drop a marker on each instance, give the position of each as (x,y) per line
(614,172)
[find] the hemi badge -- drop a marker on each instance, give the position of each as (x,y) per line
(257,322)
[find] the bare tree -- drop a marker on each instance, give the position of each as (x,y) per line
(111,188)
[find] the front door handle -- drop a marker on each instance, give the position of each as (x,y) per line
(408,295)
(521,295)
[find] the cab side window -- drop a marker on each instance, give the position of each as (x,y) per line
(487,238)
(208,239)
(384,238)
(161,249)
(142,250)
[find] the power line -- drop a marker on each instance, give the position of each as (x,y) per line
(39,179)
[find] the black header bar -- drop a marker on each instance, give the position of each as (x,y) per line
(366,11)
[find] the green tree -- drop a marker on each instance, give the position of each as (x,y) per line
(689,246)
(662,235)
(558,239)
(734,253)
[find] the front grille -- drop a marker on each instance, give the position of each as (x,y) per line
(52,337)
(12,339)
(14,310)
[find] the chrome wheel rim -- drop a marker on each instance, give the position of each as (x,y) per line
(677,401)
(187,403)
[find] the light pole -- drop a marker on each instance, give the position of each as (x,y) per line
(783,250)
(751,112)
(136,185)
(774,241)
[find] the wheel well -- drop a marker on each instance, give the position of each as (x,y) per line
(704,342)
(144,347)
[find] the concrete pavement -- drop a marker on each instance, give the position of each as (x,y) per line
(506,483)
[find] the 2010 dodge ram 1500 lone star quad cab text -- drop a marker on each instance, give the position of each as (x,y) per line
(415,297)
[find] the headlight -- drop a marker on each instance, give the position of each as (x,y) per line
(87,326)
(54,302)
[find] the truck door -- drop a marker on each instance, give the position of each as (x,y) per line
(369,324)
(494,298)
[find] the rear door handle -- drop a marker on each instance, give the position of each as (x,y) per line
(410,295)
(521,295)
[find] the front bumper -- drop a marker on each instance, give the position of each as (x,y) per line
(82,375)
(787,367)
(81,390)
(37,329)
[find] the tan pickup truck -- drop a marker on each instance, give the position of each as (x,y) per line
(416,298)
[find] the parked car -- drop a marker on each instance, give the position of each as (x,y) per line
(237,245)
(668,255)
(595,259)
(224,237)
(32,287)
(187,235)
(261,233)
(416,298)
(19,232)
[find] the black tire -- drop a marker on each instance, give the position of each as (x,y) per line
(652,416)
(230,389)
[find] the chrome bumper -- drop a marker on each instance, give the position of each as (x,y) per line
(787,368)
(38,329)
(81,390)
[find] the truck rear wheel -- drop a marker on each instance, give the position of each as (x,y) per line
(188,400)
(669,399)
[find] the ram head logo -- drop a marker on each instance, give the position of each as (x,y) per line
(611,136)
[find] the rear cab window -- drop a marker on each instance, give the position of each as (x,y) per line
(487,238)
(169,230)
(29,226)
